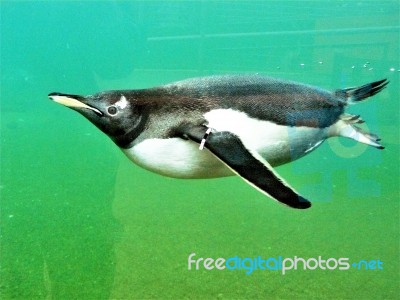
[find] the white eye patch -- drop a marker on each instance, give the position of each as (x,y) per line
(122,102)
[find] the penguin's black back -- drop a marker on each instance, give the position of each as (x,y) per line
(282,102)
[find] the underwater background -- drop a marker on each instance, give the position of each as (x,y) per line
(80,221)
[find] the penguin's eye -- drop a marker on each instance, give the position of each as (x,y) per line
(112,110)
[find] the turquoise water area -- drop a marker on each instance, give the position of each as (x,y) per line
(80,221)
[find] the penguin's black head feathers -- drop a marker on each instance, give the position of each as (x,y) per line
(116,113)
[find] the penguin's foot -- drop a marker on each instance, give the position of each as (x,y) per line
(345,127)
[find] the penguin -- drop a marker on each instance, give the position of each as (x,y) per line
(226,125)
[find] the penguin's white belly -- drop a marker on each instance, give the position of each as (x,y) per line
(278,144)
(175,157)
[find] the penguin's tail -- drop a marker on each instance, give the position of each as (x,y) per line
(357,94)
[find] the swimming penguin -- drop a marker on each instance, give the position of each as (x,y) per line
(225,125)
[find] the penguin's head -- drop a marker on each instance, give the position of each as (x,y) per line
(112,112)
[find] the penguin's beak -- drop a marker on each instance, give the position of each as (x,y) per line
(73,101)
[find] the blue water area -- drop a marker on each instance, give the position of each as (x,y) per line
(79,220)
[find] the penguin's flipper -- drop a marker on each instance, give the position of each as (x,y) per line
(249,165)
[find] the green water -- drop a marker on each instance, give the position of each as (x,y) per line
(79,221)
